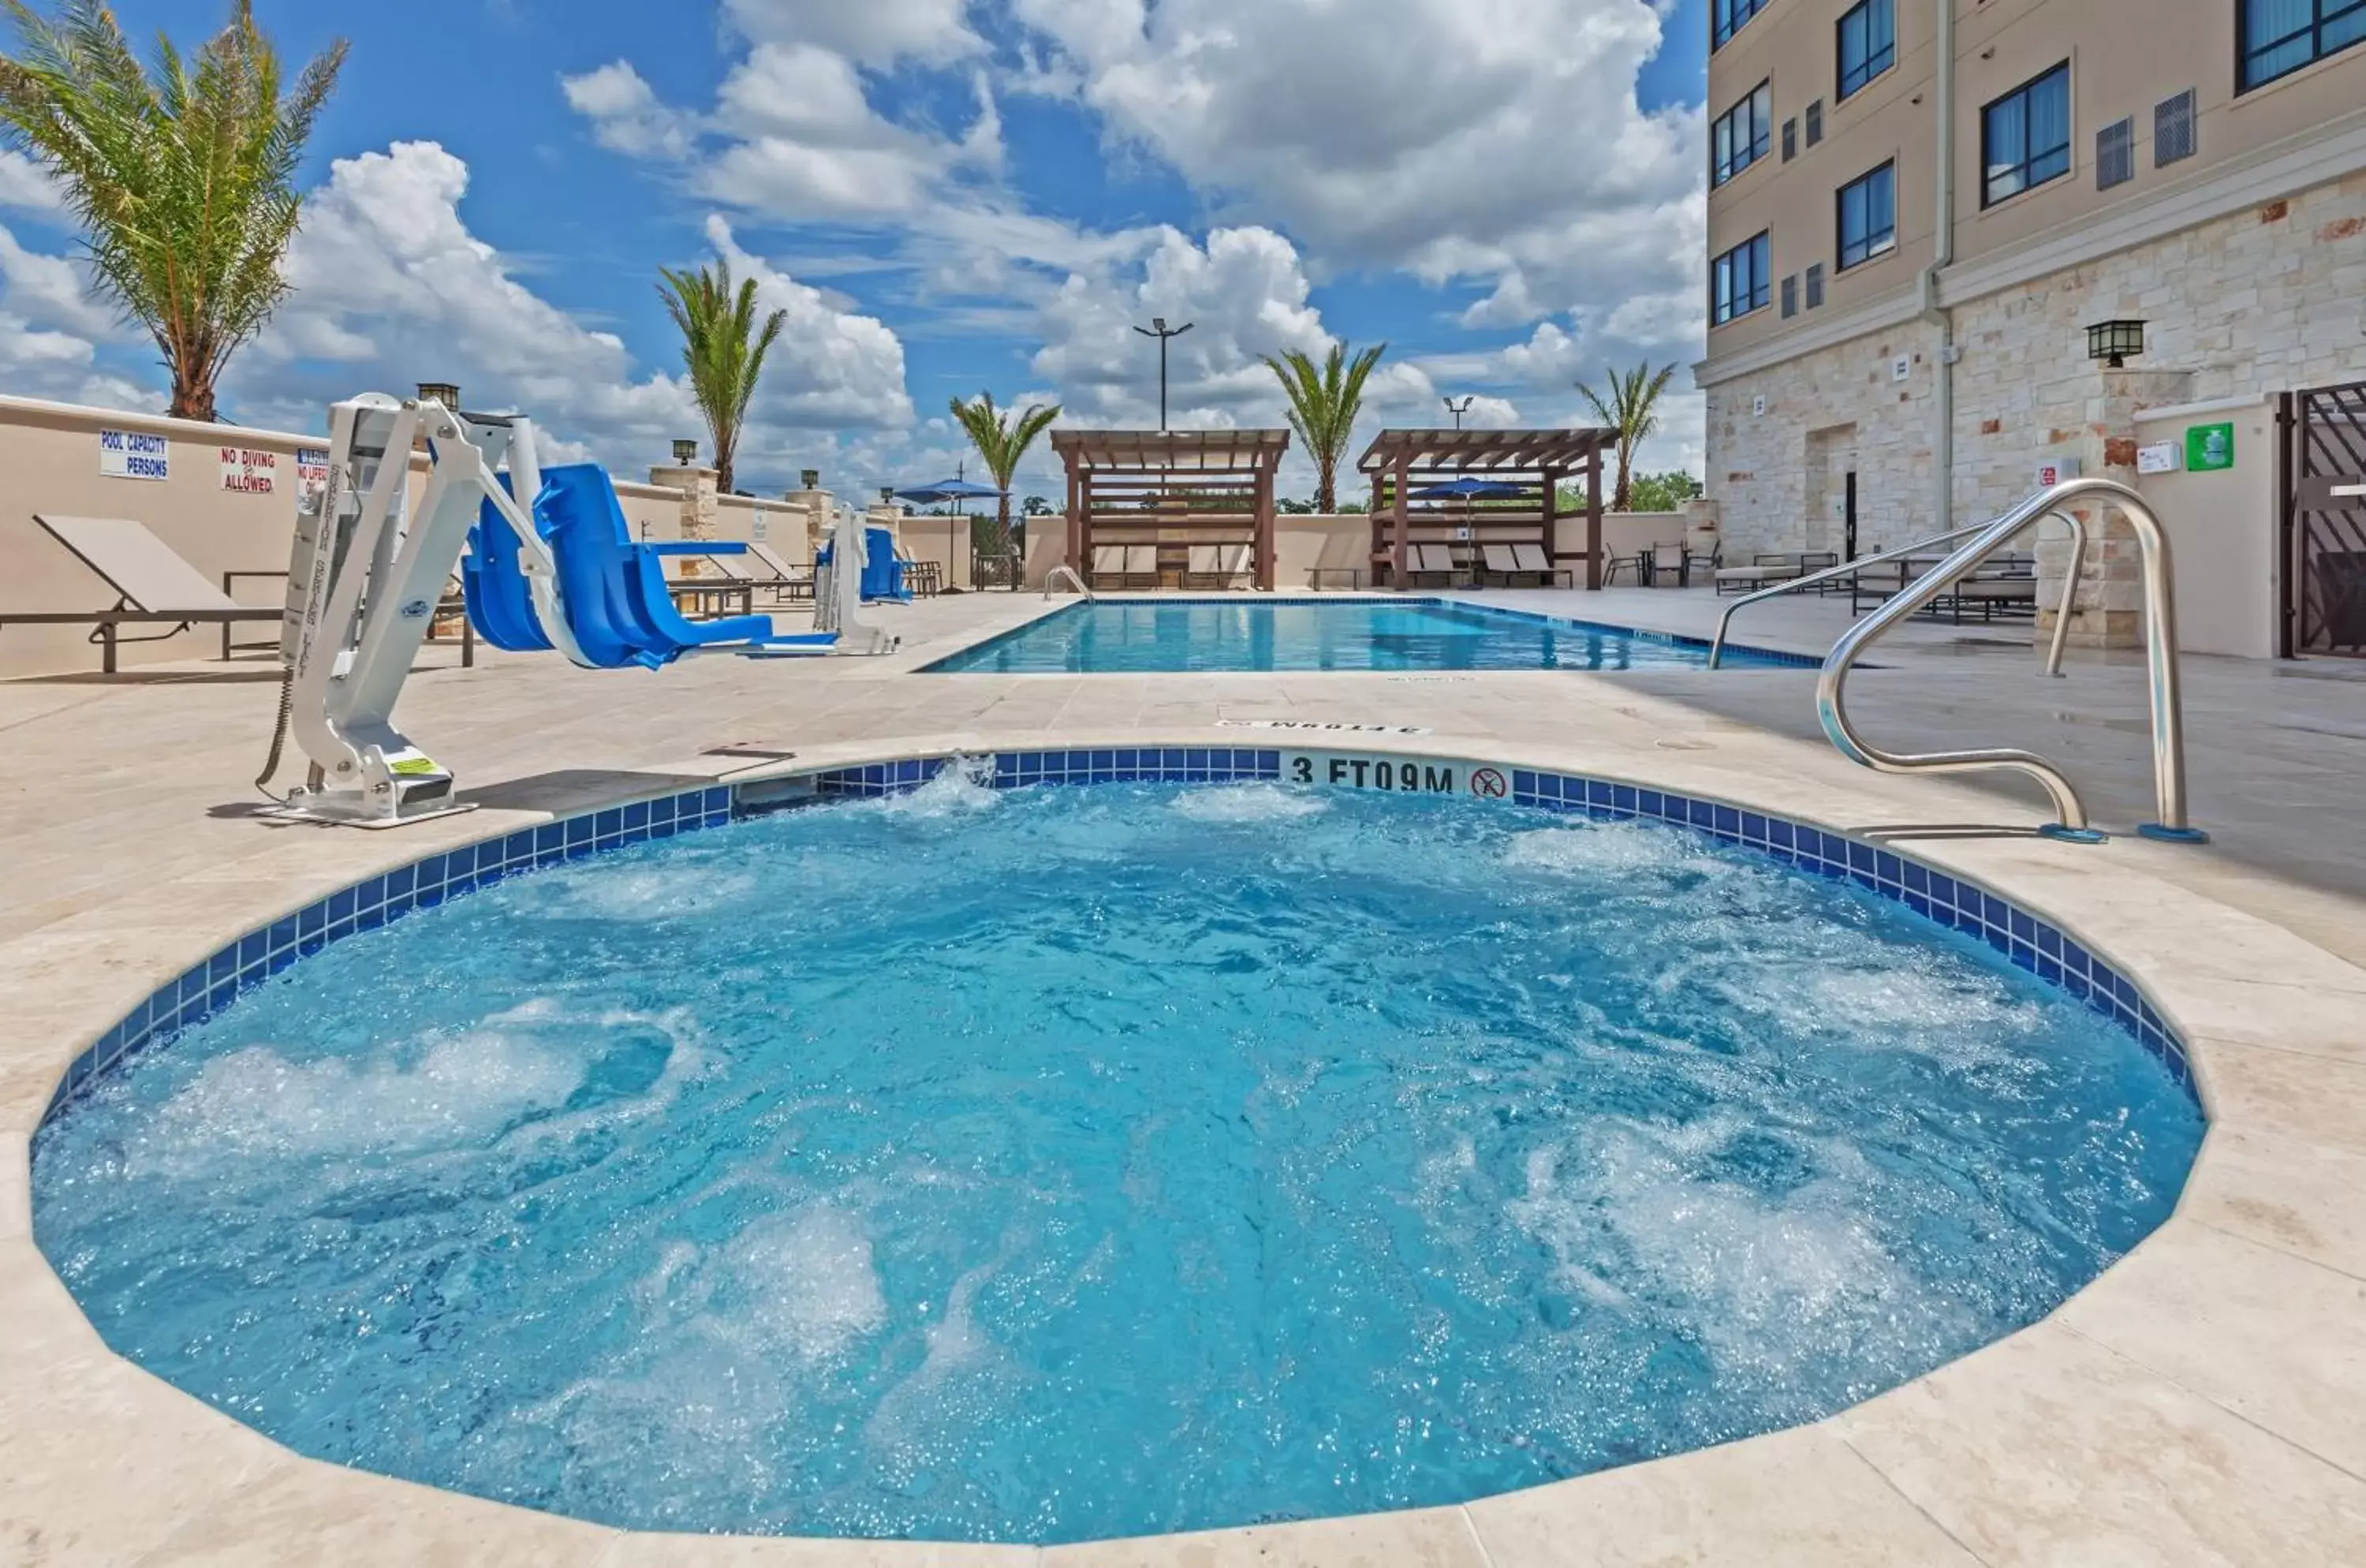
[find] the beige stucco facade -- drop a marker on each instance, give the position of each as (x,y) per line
(2247,262)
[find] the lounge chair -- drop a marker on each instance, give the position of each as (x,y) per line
(1216,566)
(1764,571)
(1503,561)
(1430,562)
(1109,566)
(153,587)
(791,582)
(1532,557)
(1142,566)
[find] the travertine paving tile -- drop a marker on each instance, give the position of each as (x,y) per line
(2050,1448)
(633,1551)
(2277,1339)
(1428,1538)
(298,1514)
(1801,1499)
(2281,1193)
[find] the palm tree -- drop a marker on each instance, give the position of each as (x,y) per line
(723,347)
(1002,437)
(183,181)
(1632,411)
(1323,404)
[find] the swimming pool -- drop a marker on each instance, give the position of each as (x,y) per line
(1235,633)
(1045,1164)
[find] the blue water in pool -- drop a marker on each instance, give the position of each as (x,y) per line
(1076,1162)
(1138,636)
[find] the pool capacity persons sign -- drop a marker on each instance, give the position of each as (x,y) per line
(127,454)
(246,471)
(1398,776)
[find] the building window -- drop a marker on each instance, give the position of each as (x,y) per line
(1869,213)
(1790,140)
(1726,17)
(2172,129)
(1790,295)
(1869,43)
(1738,138)
(1815,286)
(1738,281)
(2116,155)
(2025,136)
(1815,122)
(2279,36)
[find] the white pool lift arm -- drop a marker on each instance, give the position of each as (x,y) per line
(364,579)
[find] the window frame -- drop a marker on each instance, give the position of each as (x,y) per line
(1721,15)
(2340,10)
(1761,290)
(2029,155)
(1841,91)
(1868,252)
(1761,147)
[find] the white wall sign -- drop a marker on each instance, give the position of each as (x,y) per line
(247,471)
(124,455)
(2053,470)
(1900,369)
(2160,457)
(756,527)
(1758,405)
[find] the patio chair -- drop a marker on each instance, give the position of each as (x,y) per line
(153,587)
(1532,557)
(1107,570)
(1634,566)
(1142,566)
(1667,560)
(1706,565)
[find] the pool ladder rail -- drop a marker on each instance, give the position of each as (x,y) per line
(1052,580)
(1979,543)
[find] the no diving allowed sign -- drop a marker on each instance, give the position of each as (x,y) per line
(1398,776)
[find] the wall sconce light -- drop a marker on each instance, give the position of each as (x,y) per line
(441,393)
(2115,342)
(685,452)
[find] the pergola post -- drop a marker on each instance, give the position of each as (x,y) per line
(1405,525)
(1075,524)
(1593,515)
(1552,513)
(1265,525)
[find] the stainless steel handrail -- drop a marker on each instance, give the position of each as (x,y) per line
(1847,568)
(1052,580)
(2160,649)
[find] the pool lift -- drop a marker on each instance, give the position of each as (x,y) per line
(368,572)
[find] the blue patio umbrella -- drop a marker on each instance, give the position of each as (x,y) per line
(1465,489)
(958,488)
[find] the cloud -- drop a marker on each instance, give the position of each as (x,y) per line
(1496,139)
(51,330)
(25,186)
(873,32)
(390,287)
(793,134)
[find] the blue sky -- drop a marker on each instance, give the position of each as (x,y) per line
(949,195)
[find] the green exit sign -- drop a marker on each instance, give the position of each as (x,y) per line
(2209,447)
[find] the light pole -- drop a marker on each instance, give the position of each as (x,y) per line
(1161,332)
(1458,407)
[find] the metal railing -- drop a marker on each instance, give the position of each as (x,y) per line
(1052,580)
(2160,650)
(1850,568)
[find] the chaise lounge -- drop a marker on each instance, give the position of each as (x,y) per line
(153,587)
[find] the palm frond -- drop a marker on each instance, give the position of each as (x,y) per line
(181,177)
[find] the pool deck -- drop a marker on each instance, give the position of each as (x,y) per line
(2203,1401)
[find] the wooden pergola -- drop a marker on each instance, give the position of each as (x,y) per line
(1533,462)
(1171,490)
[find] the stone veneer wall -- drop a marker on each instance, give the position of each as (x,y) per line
(2265,299)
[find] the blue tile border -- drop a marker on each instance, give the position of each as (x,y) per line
(2024,939)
